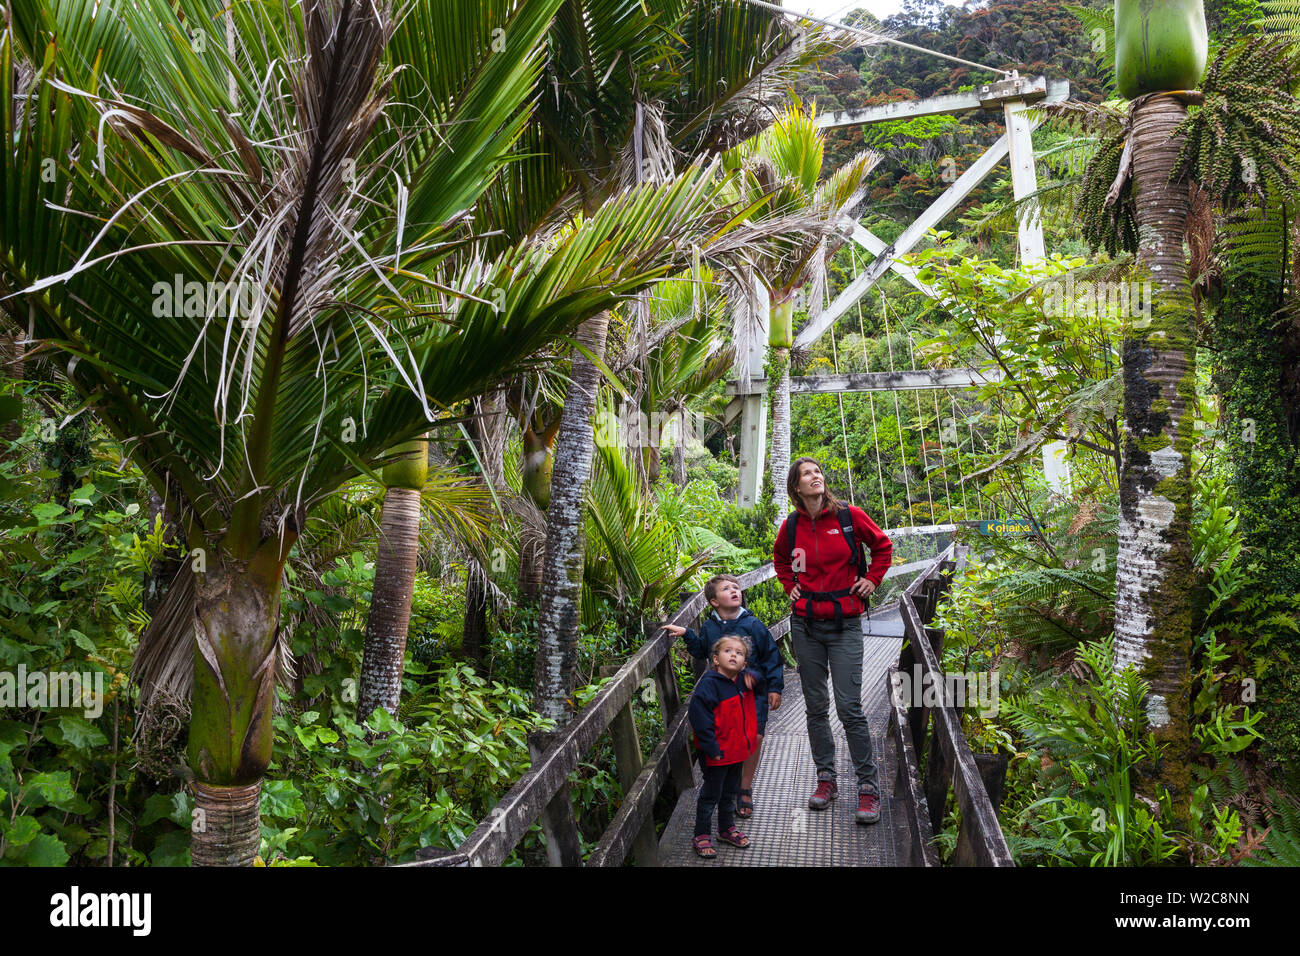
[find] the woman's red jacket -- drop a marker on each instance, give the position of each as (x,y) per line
(829,565)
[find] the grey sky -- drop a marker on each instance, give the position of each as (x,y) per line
(831,9)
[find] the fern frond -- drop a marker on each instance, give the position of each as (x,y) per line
(1281,18)
(1282,846)
(1053,202)
(1254,240)
(1099,25)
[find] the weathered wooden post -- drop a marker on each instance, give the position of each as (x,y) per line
(563,847)
(670,704)
(993,771)
(627,760)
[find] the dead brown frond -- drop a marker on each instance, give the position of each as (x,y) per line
(1080,118)
(1199,234)
(160,736)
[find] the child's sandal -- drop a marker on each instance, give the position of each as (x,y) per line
(733,836)
(745,804)
(704,846)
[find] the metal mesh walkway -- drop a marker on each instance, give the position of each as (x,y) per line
(783,831)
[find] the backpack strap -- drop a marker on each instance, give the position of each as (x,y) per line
(791,522)
(790,525)
(846,526)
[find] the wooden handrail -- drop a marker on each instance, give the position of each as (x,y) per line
(950,763)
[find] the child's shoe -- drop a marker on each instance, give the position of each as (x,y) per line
(733,836)
(703,845)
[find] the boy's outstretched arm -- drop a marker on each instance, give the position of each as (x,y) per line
(695,643)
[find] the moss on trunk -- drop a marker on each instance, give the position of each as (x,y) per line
(1154,581)
(237,610)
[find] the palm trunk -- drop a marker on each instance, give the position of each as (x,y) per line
(652,465)
(12,349)
(1153,609)
(679,450)
(538,465)
(478,603)
(780,339)
(779,455)
(236,611)
(485,431)
(529,580)
(557,637)
(390,603)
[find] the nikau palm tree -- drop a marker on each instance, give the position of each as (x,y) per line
(279,166)
(1159,57)
(390,603)
(633,90)
(684,355)
(780,170)
(487,433)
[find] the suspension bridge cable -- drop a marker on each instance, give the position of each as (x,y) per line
(943,462)
(898,415)
(844,431)
(878,37)
(920,427)
(1006,512)
(871,401)
(961,471)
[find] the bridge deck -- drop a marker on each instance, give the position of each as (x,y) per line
(783,831)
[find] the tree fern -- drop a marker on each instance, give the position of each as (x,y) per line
(1282,845)
(1281,18)
(1099,25)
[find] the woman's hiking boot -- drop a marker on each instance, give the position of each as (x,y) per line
(868,806)
(823,795)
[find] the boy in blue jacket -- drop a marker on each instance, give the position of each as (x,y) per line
(722,591)
(723,717)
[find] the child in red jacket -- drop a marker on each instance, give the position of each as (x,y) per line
(725,723)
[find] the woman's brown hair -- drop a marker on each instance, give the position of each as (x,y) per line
(792,486)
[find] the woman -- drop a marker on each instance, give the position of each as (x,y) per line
(828,585)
